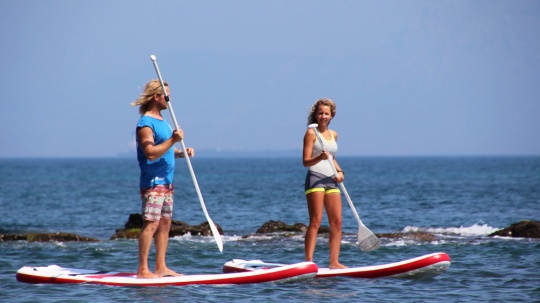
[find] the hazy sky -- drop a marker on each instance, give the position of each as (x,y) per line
(409,77)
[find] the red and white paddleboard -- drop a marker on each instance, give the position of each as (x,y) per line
(59,275)
(416,268)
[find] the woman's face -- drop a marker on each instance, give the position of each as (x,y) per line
(324,115)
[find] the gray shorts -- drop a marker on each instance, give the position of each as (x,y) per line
(316,182)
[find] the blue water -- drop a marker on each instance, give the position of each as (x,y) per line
(459,199)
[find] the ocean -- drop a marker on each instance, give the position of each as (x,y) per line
(459,199)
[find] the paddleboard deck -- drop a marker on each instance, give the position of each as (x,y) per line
(59,275)
(416,268)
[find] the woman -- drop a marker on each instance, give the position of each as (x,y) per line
(321,186)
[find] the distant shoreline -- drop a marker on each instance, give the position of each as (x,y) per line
(207,154)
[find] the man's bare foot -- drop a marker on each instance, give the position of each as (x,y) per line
(337,266)
(167,273)
(146,275)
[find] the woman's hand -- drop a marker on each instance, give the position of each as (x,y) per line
(340,177)
(324,155)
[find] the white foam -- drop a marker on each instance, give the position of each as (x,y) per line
(204,239)
(473,230)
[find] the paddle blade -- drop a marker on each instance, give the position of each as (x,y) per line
(367,240)
(216,234)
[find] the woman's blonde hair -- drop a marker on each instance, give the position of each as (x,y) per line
(151,88)
(312,118)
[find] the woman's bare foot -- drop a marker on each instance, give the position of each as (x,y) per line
(337,266)
(166,272)
(146,274)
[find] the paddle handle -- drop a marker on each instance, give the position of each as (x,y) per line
(213,227)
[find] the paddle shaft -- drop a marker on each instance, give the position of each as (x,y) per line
(213,227)
(341,185)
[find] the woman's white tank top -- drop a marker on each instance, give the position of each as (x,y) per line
(323,167)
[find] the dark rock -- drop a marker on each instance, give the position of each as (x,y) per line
(416,236)
(45,237)
(204,229)
(134,221)
(132,233)
(280,226)
(523,229)
(178,228)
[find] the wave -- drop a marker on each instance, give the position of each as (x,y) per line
(473,230)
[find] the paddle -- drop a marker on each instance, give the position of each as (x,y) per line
(366,239)
(213,227)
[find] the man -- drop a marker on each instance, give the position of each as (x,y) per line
(156,154)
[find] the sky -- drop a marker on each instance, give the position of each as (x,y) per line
(410,78)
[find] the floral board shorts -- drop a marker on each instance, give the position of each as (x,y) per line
(157,202)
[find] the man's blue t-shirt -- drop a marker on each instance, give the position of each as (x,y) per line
(161,170)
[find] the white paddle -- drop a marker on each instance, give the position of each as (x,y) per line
(213,227)
(366,239)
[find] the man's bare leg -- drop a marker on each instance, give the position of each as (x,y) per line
(145,242)
(162,241)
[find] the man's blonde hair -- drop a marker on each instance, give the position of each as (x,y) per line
(150,89)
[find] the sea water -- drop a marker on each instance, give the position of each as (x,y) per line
(458,199)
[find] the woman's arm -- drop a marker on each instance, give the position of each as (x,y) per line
(309,140)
